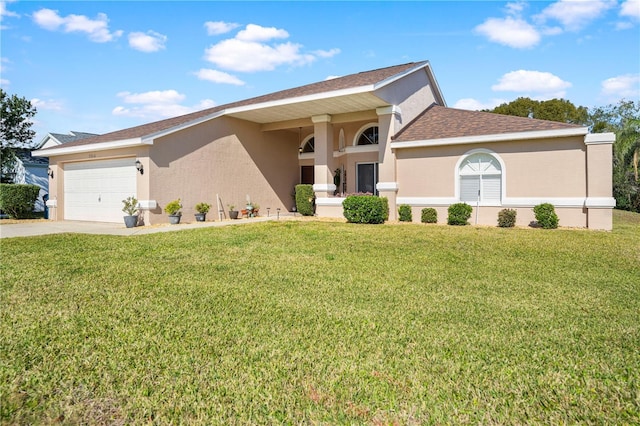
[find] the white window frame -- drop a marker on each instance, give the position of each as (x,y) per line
(361,131)
(305,155)
(503,174)
(376,175)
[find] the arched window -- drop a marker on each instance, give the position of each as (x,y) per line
(368,136)
(480,178)
(308,145)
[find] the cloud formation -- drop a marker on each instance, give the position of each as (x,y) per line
(51,105)
(535,84)
(218,77)
(622,86)
(219,27)
(96,29)
(156,104)
(510,31)
(256,48)
(150,41)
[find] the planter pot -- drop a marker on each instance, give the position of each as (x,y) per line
(233,214)
(174,219)
(130,221)
(200,217)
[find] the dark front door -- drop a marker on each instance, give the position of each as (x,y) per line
(367,177)
(306,175)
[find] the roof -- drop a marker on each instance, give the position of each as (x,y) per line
(438,122)
(66,138)
(334,86)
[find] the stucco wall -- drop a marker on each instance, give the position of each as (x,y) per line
(228,157)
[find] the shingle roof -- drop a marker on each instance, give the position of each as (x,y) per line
(72,136)
(350,81)
(438,122)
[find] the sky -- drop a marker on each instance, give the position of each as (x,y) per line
(97,67)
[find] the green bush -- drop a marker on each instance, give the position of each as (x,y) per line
(546,216)
(429,215)
(405,214)
(305,199)
(459,213)
(173,208)
(17,200)
(365,209)
(507,218)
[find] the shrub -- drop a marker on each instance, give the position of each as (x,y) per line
(546,216)
(130,206)
(459,213)
(17,200)
(507,218)
(173,208)
(365,209)
(405,214)
(203,207)
(305,199)
(429,215)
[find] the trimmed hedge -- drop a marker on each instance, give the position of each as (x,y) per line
(404,213)
(546,216)
(365,209)
(305,199)
(17,200)
(459,213)
(507,218)
(429,215)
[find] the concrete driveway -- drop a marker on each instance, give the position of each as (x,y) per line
(44,227)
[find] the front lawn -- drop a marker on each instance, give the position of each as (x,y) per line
(323,323)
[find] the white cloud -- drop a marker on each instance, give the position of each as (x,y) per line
(4,82)
(630,8)
(476,105)
(536,84)
(156,104)
(97,29)
(218,77)
(251,51)
(575,14)
(512,32)
(253,32)
(219,27)
(331,77)
(50,105)
(326,53)
(149,42)
(5,12)
(622,86)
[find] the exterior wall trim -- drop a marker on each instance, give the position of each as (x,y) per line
(104,146)
(323,187)
(387,186)
(147,204)
(576,202)
(599,138)
(600,202)
(503,137)
(326,201)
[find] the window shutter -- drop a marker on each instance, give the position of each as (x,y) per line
(491,189)
(469,186)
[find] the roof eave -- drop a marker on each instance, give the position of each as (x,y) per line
(501,137)
(100,146)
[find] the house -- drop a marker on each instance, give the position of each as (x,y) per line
(386,131)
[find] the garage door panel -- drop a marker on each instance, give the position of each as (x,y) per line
(94,190)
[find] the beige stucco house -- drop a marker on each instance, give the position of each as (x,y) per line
(386,131)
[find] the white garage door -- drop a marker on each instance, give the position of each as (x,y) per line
(94,190)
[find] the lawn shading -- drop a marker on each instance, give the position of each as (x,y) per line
(323,323)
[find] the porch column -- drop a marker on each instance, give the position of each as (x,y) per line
(599,202)
(389,119)
(323,134)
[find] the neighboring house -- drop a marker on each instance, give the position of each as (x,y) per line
(386,131)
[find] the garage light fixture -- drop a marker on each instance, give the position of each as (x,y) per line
(50,172)
(139,167)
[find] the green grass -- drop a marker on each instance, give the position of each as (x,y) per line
(323,323)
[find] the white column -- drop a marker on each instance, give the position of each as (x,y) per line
(388,121)
(323,155)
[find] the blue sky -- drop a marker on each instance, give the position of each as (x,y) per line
(103,66)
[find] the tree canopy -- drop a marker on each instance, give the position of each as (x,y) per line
(15,130)
(559,110)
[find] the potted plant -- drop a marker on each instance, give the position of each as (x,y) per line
(130,208)
(233,213)
(173,210)
(202,209)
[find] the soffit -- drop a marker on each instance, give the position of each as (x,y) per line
(307,108)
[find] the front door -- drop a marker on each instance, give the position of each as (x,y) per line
(367,178)
(306,175)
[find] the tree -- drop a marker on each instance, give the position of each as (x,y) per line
(622,119)
(15,131)
(553,110)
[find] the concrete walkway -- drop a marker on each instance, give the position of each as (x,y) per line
(43,227)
